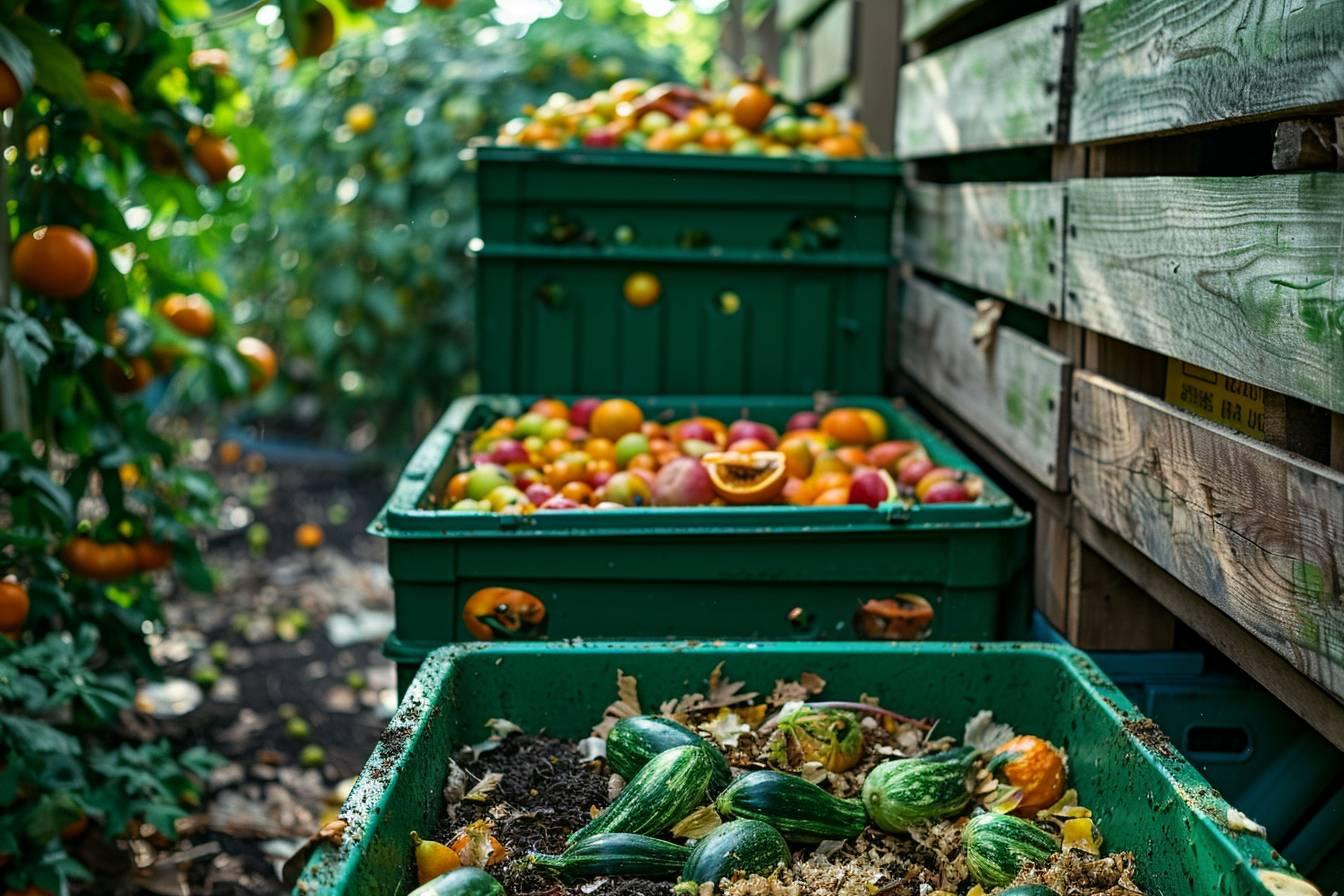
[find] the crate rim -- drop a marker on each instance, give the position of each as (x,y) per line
(884,167)
(402,516)
(370,791)
(713,256)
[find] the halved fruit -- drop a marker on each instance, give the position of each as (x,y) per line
(506,614)
(738,478)
(902,617)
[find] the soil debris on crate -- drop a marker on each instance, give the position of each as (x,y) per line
(535,790)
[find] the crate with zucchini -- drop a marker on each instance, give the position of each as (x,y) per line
(956,769)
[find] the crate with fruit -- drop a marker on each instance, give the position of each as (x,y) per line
(767,516)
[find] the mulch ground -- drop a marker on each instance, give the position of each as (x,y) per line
(287,657)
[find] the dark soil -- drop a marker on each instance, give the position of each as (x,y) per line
(547,791)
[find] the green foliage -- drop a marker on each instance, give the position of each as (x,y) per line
(76,455)
(353,259)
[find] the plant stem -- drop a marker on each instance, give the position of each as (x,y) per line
(13,385)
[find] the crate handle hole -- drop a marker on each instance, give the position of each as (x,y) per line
(1217,740)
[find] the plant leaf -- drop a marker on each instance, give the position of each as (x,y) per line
(15,54)
(58,71)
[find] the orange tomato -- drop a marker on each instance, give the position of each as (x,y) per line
(503,613)
(321,31)
(129,379)
(579,492)
(55,261)
(562,472)
(799,492)
(852,455)
(614,418)
(229,452)
(100,562)
(14,606)
(11,94)
(847,426)
(832,497)
(841,146)
(260,357)
(190,314)
(308,536)
(642,289)
(216,156)
(714,140)
(749,105)
(824,482)
(552,408)
(555,448)
(457,487)
(151,555)
(105,88)
(600,449)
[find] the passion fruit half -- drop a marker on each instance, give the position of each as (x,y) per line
(740,478)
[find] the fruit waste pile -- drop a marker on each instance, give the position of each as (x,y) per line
(606,455)
(736,794)
(634,114)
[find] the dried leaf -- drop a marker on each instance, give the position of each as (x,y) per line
(725,728)
(484,787)
(697,824)
(987,315)
(502,728)
(983,733)
(454,785)
(807,685)
(332,832)
(615,784)
(1239,821)
(626,704)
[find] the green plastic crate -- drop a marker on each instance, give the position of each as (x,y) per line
(746,311)
(1146,798)
(732,202)
(549,318)
(700,572)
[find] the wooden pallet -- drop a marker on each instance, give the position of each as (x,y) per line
(1166,248)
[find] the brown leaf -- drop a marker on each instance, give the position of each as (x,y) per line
(333,833)
(484,787)
(625,706)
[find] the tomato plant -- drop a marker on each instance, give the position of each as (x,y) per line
(354,256)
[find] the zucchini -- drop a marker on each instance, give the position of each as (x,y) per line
(462,882)
(1029,890)
(605,854)
(747,847)
(634,741)
(798,809)
(997,846)
(660,794)
(904,792)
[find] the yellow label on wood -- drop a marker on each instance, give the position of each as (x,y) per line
(1233,403)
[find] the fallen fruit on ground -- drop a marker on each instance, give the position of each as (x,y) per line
(308,536)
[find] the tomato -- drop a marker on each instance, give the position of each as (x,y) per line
(151,555)
(129,379)
(260,357)
(642,289)
(54,261)
(308,536)
(14,606)
(749,105)
(11,94)
(109,89)
(100,562)
(321,28)
(190,314)
(216,156)
(504,613)
(614,418)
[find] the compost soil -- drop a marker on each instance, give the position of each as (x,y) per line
(546,791)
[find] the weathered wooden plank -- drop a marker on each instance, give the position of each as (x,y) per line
(1150,66)
(1004,239)
(1100,595)
(1016,394)
(1250,528)
(791,13)
(998,89)
(922,16)
(793,67)
(1240,275)
(1319,709)
(830,47)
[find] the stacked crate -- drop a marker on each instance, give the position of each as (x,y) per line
(1140,201)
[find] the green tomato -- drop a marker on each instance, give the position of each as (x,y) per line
(554,428)
(630,446)
(484,480)
(786,129)
(654,121)
(529,424)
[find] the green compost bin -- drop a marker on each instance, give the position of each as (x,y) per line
(1146,799)
(773,273)
(769,572)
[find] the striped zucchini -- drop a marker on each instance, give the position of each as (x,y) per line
(798,809)
(462,882)
(660,794)
(1029,890)
(904,792)
(997,846)
(634,741)
(747,847)
(628,854)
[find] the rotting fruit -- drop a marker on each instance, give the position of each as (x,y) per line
(603,454)
(504,614)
